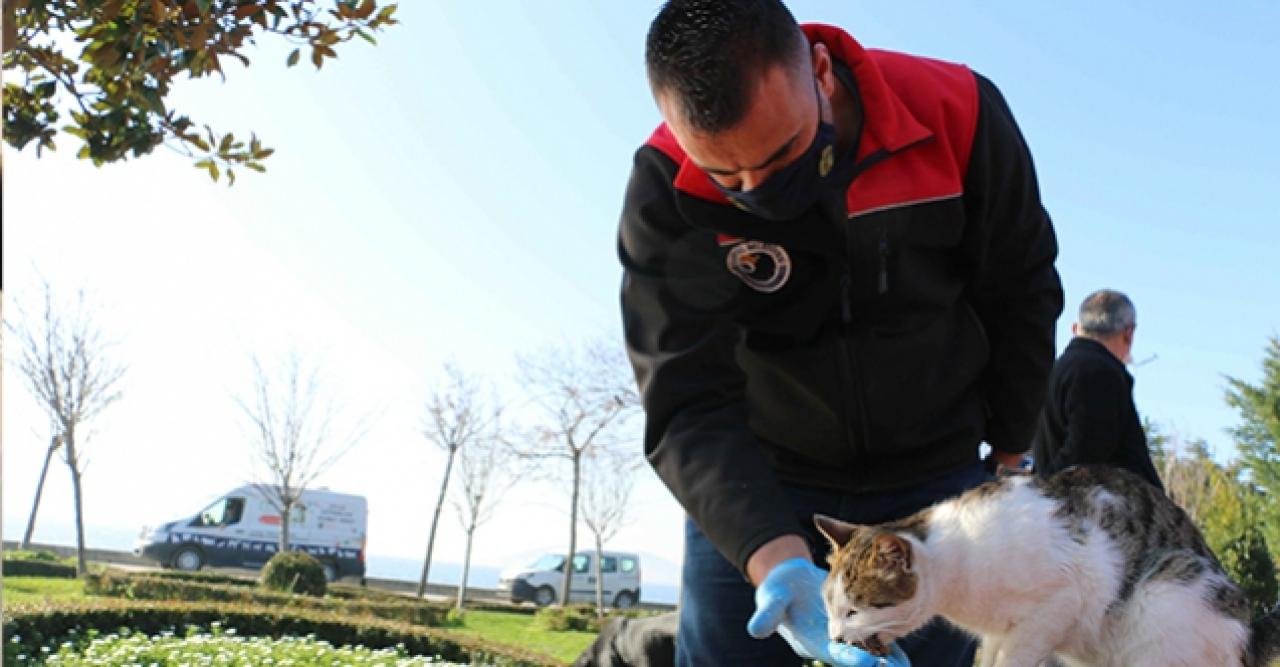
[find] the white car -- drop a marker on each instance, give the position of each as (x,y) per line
(540,582)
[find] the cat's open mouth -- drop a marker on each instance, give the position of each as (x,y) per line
(873,645)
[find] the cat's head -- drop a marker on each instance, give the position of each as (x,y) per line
(870,593)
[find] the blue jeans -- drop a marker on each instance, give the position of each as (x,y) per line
(716,601)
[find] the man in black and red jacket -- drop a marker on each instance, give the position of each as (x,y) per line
(838,283)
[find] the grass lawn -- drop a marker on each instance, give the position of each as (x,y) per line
(36,589)
(521,630)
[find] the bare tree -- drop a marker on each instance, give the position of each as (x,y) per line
(456,418)
(586,395)
(54,443)
(292,426)
(484,465)
(64,358)
(1187,470)
(607,482)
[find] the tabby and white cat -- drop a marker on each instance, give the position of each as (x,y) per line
(1092,565)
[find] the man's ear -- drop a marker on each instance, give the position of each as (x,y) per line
(836,531)
(823,69)
(893,551)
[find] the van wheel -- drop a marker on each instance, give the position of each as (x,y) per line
(625,600)
(330,571)
(188,559)
(544,596)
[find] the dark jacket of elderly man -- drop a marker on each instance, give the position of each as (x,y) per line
(1090,416)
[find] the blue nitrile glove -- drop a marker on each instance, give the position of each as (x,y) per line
(789,600)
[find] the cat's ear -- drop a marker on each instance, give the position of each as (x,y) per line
(893,551)
(836,531)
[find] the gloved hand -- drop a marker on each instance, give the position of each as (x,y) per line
(789,600)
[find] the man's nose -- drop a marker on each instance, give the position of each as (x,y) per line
(750,180)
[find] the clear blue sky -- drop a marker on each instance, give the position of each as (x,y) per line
(454,193)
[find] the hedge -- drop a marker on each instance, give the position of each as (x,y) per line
(29,627)
(581,617)
(37,568)
(202,577)
(143,587)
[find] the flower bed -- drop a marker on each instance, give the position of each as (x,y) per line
(219,647)
(28,629)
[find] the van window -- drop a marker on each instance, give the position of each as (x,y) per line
(234,511)
(581,564)
(549,562)
(628,565)
(608,565)
(224,512)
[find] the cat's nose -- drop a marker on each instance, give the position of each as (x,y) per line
(836,632)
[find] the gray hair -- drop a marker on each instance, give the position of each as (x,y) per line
(1106,312)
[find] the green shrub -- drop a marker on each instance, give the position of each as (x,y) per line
(203,577)
(349,592)
(141,586)
(574,617)
(28,628)
(37,568)
(1248,561)
(38,555)
(294,572)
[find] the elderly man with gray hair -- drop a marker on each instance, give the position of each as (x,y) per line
(1089,415)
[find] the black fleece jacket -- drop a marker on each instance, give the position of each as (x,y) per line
(868,345)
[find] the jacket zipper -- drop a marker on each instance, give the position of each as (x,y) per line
(882,286)
(849,365)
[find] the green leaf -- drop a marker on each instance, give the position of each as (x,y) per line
(293,58)
(203,5)
(366,36)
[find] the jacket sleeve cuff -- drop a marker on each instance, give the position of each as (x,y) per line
(742,552)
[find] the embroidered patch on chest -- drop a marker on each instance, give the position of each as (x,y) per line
(764,267)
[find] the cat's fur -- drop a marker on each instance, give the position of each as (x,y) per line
(1092,565)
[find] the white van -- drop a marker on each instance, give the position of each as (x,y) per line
(242,529)
(540,582)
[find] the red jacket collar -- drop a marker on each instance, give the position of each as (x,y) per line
(887,123)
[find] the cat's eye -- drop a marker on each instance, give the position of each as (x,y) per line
(882,605)
(852,613)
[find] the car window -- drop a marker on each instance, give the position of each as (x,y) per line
(608,565)
(549,562)
(581,563)
(212,515)
(233,511)
(629,565)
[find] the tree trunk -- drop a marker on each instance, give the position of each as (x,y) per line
(573,530)
(435,521)
(599,578)
(82,567)
(35,506)
(286,508)
(466,568)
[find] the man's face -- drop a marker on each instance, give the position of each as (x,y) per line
(780,123)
